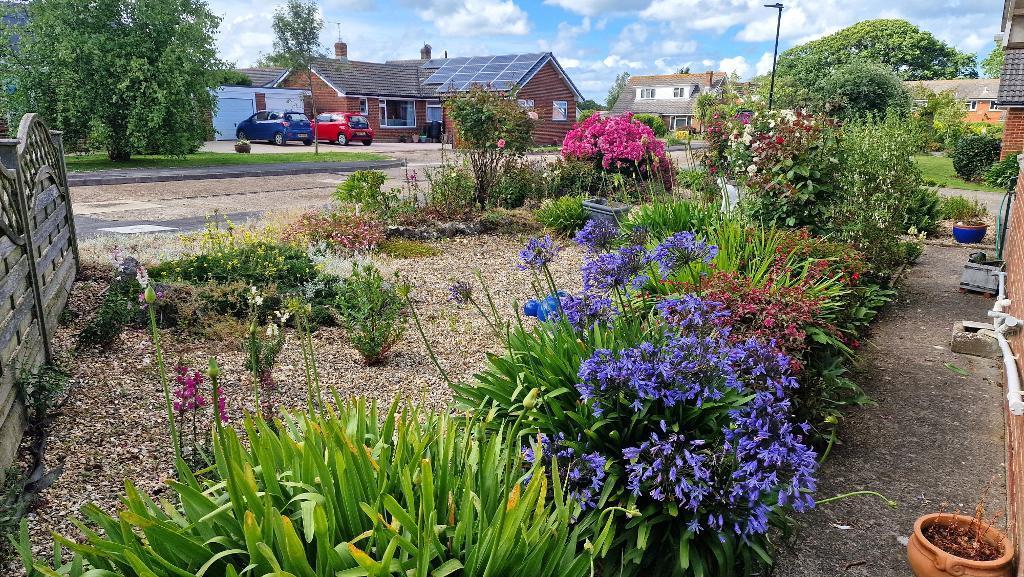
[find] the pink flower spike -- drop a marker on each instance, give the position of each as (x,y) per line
(501,143)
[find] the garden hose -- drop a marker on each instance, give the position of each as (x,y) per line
(1003,217)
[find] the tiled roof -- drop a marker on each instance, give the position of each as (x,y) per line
(1011,85)
(964,88)
(628,102)
(263,77)
(372,78)
(700,79)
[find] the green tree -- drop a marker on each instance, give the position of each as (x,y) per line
(860,88)
(992,65)
(684,70)
(616,90)
(914,54)
(232,78)
(941,117)
(297,27)
(126,76)
(589,104)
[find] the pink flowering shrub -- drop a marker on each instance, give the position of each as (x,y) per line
(621,144)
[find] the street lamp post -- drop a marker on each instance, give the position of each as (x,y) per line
(775,56)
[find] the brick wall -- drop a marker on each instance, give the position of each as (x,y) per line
(544,88)
(1013,132)
(261,101)
(1013,255)
(984,113)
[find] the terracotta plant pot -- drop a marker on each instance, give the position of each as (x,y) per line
(927,560)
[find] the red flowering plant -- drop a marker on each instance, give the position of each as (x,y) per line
(341,232)
(620,144)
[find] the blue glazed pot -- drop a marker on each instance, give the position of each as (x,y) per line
(969,233)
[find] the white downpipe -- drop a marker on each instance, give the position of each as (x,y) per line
(1001,322)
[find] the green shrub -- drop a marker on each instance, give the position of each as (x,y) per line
(700,184)
(959,208)
(974,154)
(119,308)
(923,210)
(565,215)
(519,183)
(880,184)
(585,114)
(1000,173)
(405,248)
(372,312)
(451,190)
(347,492)
(660,220)
(42,391)
(574,177)
(258,263)
(655,122)
(340,232)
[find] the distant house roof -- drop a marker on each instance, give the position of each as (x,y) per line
(628,102)
(1011,85)
(422,78)
(964,88)
(264,77)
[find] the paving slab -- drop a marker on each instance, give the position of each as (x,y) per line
(932,441)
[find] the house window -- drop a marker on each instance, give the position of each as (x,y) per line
(992,105)
(681,122)
(398,113)
(526,103)
(434,112)
(647,93)
(364,106)
(679,93)
(560,110)
(972,105)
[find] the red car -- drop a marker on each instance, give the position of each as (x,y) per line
(343,127)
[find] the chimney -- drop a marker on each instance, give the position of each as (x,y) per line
(425,52)
(341,50)
(711,78)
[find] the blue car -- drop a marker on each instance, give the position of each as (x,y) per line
(277,127)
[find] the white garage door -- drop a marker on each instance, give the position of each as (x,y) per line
(284,102)
(231,111)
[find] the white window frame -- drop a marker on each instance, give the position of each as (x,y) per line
(972,105)
(560,106)
(437,105)
(993,107)
(680,92)
(687,122)
(364,106)
(525,103)
(647,93)
(383,106)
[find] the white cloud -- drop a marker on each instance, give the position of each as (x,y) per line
(616,62)
(764,65)
(477,18)
(673,47)
(737,64)
(596,7)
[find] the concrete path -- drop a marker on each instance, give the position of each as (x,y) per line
(144,175)
(389,148)
(933,441)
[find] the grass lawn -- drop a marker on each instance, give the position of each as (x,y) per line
(91,162)
(938,171)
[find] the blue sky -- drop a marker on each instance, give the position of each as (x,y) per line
(597,39)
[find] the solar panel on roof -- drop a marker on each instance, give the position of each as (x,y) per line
(500,67)
(504,59)
(526,58)
(510,76)
(500,72)
(480,60)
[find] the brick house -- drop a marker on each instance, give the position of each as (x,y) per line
(979,95)
(671,96)
(400,97)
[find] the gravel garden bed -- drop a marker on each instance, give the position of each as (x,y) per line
(113,426)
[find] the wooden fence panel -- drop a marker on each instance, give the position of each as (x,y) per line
(38,262)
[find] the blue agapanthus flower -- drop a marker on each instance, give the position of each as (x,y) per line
(460,292)
(597,235)
(539,252)
(615,270)
(583,474)
(679,250)
(585,310)
(692,313)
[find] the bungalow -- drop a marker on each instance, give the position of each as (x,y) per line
(401,97)
(671,96)
(979,95)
